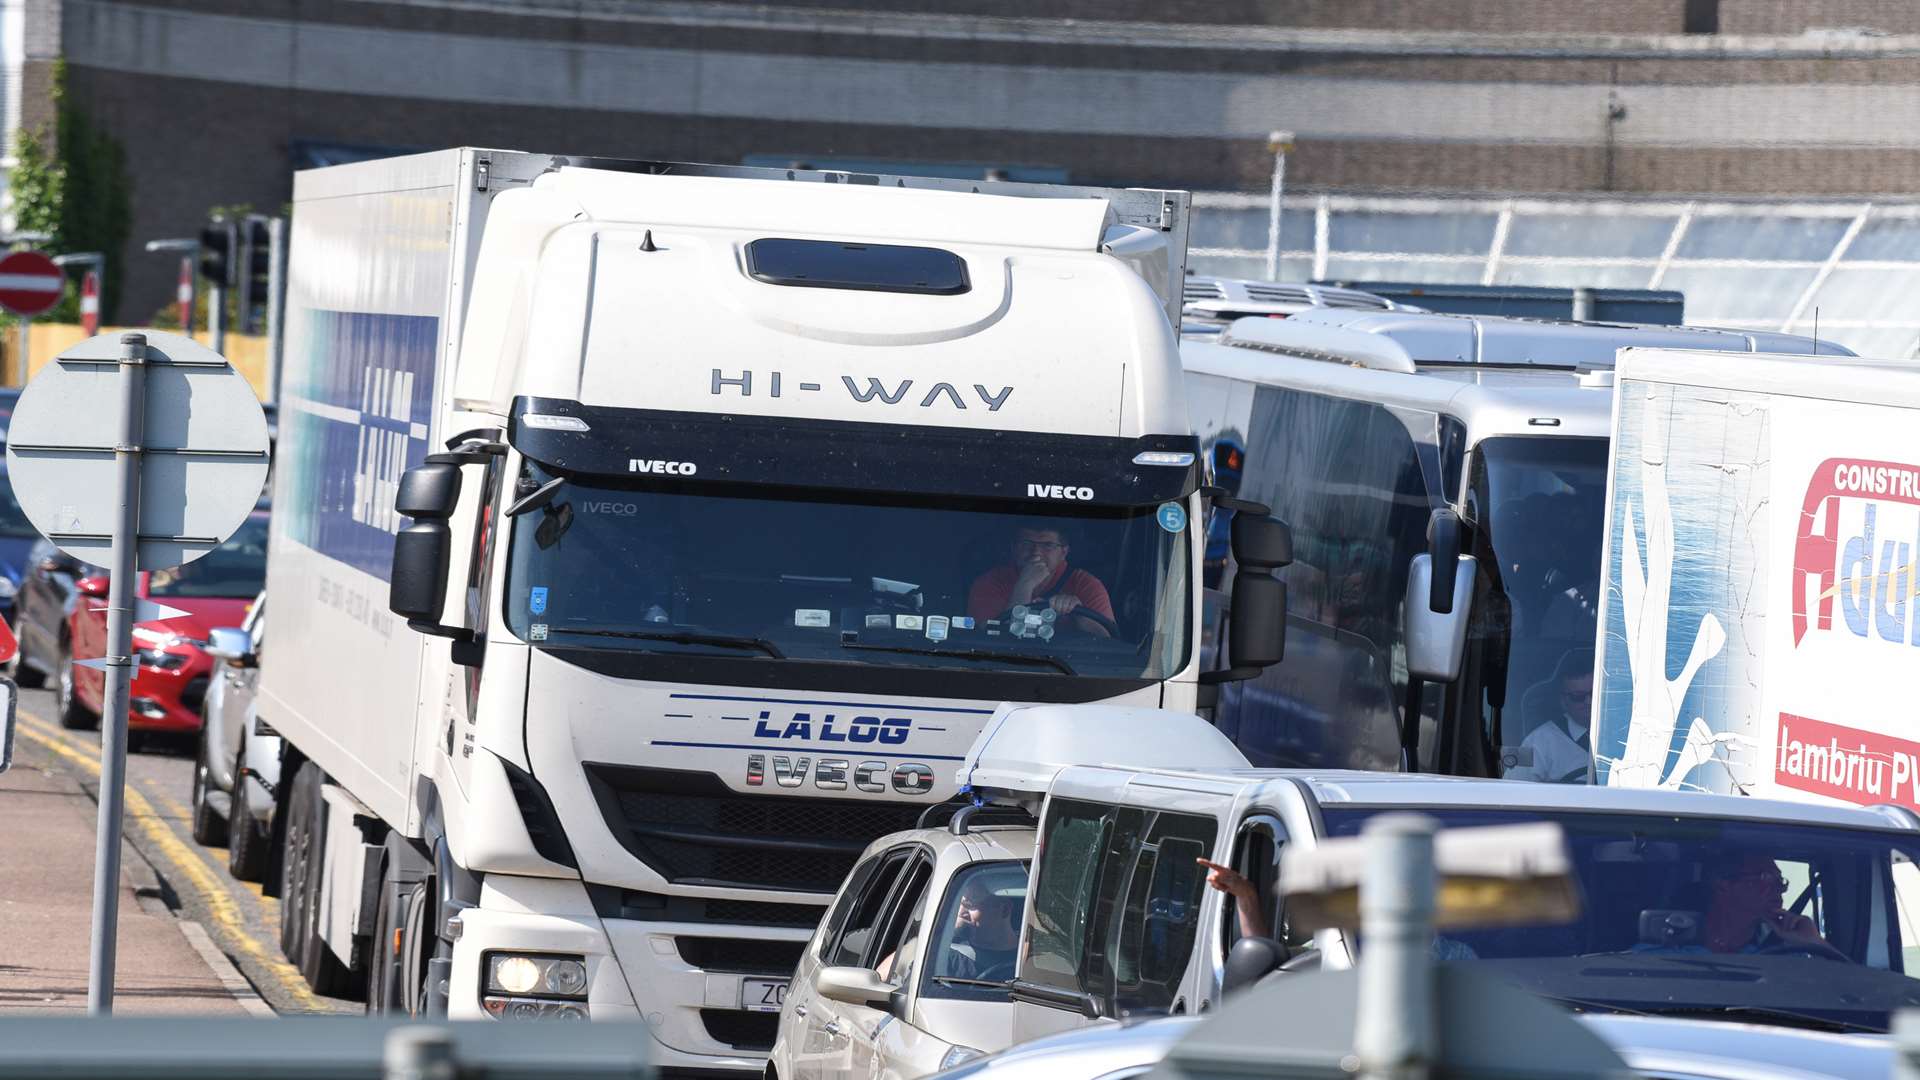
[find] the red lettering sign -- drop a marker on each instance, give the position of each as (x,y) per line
(1846,763)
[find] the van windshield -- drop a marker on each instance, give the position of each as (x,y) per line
(1808,925)
(1540,505)
(770,575)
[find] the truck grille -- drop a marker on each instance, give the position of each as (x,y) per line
(741,956)
(693,830)
(741,1030)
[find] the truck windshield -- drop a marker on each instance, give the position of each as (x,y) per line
(1540,504)
(1767,921)
(774,575)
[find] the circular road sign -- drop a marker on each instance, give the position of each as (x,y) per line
(204,451)
(30,283)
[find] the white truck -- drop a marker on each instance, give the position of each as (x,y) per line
(735,501)
(1757,631)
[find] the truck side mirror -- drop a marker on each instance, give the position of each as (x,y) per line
(1439,601)
(423,552)
(1257,623)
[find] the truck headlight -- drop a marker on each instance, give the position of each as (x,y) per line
(535,986)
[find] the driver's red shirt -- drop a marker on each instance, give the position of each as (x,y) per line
(992,592)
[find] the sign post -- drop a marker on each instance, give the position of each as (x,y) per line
(184,294)
(161,479)
(30,284)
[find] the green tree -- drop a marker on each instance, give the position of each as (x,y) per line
(73,185)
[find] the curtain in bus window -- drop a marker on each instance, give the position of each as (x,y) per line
(1346,476)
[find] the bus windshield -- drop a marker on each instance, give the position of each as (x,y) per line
(848,577)
(1539,504)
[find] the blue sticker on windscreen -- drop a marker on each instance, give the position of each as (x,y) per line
(537,600)
(1173,517)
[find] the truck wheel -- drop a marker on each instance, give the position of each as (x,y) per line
(316,961)
(246,839)
(209,828)
(293,871)
(383,952)
(73,714)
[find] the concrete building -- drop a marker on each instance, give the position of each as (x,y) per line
(216,101)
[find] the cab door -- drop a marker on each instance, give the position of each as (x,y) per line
(1117,907)
(873,1033)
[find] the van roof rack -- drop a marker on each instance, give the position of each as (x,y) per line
(964,817)
(1403,341)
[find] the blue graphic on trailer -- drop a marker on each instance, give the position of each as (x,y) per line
(357,416)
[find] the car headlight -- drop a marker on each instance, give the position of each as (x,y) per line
(960,1055)
(8,587)
(165,661)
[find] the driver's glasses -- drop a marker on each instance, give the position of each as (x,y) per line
(1761,881)
(1047,546)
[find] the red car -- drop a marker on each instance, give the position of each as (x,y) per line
(173,669)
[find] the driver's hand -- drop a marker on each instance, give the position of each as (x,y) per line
(1795,927)
(1227,880)
(1064,604)
(1031,575)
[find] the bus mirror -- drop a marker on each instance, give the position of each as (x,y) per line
(1443,543)
(1257,626)
(1437,640)
(1261,542)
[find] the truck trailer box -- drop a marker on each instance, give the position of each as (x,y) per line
(1758,632)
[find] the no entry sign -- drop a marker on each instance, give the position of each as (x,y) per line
(30,283)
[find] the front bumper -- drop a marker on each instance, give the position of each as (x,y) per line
(635,971)
(164,700)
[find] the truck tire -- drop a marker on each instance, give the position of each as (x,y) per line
(209,828)
(246,839)
(384,995)
(306,859)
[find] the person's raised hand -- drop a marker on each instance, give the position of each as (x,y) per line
(1227,880)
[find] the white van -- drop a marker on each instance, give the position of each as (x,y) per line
(1120,920)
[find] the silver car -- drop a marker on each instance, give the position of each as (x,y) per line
(908,973)
(239,757)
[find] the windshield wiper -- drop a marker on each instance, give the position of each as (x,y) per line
(949,980)
(1030,659)
(1761,1014)
(689,637)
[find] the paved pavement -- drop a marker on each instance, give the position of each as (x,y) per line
(192,938)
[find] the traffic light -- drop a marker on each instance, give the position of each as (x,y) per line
(216,252)
(256,276)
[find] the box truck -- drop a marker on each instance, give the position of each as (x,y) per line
(1757,625)
(656,536)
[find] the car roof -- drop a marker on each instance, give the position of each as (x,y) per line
(1336,788)
(981,843)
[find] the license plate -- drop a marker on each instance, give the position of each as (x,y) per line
(763,995)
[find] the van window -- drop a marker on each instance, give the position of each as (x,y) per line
(1118,893)
(1256,855)
(1349,479)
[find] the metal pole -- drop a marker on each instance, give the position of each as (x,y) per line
(26,332)
(1396,1032)
(240,273)
(276,301)
(217,317)
(1279,143)
(184,294)
(119,672)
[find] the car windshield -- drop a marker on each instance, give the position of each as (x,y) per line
(848,577)
(1540,504)
(976,933)
(236,569)
(13,520)
(1810,924)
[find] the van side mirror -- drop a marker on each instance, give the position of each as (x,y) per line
(1250,960)
(1257,622)
(1439,601)
(423,552)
